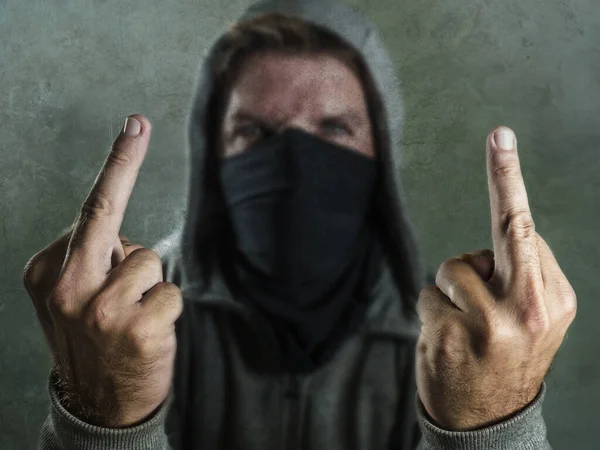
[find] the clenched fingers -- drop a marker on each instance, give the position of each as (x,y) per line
(136,275)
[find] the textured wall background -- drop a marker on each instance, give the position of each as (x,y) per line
(71,71)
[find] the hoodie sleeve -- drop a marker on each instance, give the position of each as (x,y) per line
(64,431)
(524,431)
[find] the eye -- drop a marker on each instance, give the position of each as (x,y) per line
(250,131)
(335,127)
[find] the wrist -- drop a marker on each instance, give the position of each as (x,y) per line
(484,418)
(75,405)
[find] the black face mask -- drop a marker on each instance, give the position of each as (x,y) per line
(305,251)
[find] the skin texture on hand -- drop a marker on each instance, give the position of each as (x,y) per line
(494,321)
(108,316)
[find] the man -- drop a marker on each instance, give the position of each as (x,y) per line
(290,293)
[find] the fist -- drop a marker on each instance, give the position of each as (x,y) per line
(107,315)
(494,321)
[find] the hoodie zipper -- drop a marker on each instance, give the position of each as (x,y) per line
(291,412)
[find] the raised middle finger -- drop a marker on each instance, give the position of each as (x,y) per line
(513,229)
(101,216)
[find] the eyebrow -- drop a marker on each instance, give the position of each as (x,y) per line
(241,116)
(350,116)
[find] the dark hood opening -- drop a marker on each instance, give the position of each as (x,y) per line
(206,233)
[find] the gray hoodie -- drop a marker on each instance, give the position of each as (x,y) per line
(363,399)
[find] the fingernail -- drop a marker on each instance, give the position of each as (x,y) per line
(132,127)
(505,140)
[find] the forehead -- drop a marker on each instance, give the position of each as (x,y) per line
(277,85)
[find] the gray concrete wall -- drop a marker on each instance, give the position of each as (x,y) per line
(70,71)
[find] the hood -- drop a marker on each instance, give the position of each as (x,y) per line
(403,260)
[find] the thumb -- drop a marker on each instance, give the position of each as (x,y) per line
(482,261)
(122,249)
(129,248)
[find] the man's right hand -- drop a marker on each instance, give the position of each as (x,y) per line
(107,314)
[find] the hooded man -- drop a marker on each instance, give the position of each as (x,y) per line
(296,261)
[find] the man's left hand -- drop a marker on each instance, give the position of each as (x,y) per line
(494,321)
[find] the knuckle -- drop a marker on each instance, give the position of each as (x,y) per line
(519,224)
(506,171)
(164,295)
(427,297)
(148,257)
(496,334)
(445,350)
(99,318)
(140,338)
(451,270)
(169,345)
(449,333)
(60,302)
(427,292)
(570,305)
(489,325)
(97,205)
(153,258)
(119,155)
(30,275)
(570,313)
(36,270)
(447,267)
(536,323)
(171,289)
(171,300)
(171,292)
(571,309)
